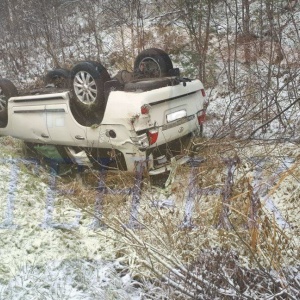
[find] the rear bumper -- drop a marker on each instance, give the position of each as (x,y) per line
(163,158)
(168,167)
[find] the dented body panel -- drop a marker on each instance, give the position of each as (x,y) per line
(133,124)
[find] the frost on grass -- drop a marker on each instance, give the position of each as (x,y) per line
(265,251)
(72,279)
(41,253)
(48,248)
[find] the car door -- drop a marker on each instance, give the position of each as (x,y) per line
(63,128)
(29,123)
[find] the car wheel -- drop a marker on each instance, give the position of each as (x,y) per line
(152,63)
(58,78)
(87,86)
(99,67)
(7,90)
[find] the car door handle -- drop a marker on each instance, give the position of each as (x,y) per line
(79,137)
(45,136)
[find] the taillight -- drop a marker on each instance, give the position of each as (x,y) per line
(146,139)
(152,135)
(145,109)
(201,115)
(203,92)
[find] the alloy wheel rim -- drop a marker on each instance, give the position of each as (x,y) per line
(151,67)
(85,87)
(2,101)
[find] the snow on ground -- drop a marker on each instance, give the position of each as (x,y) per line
(44,252)
(277,167)
(71,279)
(50,248)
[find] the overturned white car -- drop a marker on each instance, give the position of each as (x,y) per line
(149,115)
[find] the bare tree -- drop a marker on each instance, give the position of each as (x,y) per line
(196,16)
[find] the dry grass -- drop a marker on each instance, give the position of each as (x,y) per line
(161,245)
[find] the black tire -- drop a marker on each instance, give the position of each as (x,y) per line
(86,117)
(87,86)
(7,90)
(152,63)
(59,78)
(99,67)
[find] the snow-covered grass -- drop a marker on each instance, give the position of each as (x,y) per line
(44,253)
(63,239)
(71,279)
(50,245)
